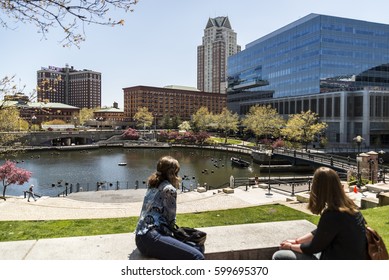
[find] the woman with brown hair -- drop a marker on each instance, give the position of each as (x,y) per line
(152,235)
(340,233)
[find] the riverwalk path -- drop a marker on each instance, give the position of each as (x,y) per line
(127,203)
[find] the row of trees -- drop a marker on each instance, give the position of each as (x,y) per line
(263,122)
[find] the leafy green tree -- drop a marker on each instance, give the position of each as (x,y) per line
(176,120)
(166,122)
(10,121)
(263,121)
(303,127)
(143,117)
(68,15)
(202,119)
(227,121)
(55,122)
(86,114)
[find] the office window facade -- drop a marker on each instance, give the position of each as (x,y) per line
(315,54)
(311,58)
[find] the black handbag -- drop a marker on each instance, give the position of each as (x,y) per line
(189,235)
(375,245)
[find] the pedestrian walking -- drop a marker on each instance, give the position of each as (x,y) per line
(31,193)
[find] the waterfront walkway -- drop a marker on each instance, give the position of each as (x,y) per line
(127,203)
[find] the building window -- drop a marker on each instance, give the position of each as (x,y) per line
(337,106)
(329,107)
(321,107)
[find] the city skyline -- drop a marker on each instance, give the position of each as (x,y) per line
(157,46)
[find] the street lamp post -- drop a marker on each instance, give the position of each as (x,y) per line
(33,121)
(269,153)
(358,139)
(359,177)
(382,169)
(359,159)
(100,119)
(155,127)
(371,170)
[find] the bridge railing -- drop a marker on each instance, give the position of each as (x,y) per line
(288,185)
(336,161)
(68,188)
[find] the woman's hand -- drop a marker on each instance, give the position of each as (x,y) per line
(286,244)
(291,241)
(291,244)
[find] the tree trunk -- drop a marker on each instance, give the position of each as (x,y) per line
(5,187)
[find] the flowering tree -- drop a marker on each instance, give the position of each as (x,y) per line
(11,174)
(130,134)
(201,137)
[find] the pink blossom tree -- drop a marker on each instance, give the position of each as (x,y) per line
(11,174)
(130,134)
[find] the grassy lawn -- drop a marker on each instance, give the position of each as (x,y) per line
(230,141)
(377,218)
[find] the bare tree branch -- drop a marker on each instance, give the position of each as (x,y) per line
(69,15)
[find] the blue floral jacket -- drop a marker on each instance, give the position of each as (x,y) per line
(159,208)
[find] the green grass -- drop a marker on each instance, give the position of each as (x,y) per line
(230,141)
(378,218)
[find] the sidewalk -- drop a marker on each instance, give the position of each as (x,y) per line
(126,203)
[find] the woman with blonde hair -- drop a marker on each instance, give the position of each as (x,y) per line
(152,235)
(340,233)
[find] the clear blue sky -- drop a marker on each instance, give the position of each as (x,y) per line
(157,46)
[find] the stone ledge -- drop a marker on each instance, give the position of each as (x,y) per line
(377,188)
(244,242)
(302,197)
(369,202)
(228,190)
(251,241)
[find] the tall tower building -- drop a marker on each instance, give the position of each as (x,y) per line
(79,88)
(219,42)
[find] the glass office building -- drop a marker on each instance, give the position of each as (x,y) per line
(321,63)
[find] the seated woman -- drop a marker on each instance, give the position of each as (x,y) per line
(152,235)
(340,234)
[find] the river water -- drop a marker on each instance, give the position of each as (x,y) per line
(53,170)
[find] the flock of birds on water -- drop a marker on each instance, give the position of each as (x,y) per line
(216,162)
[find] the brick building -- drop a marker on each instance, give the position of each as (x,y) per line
(171,101)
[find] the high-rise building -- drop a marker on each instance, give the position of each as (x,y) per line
(79,88)
(336,67)
(219,42)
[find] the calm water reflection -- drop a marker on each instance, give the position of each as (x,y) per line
(88,167)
